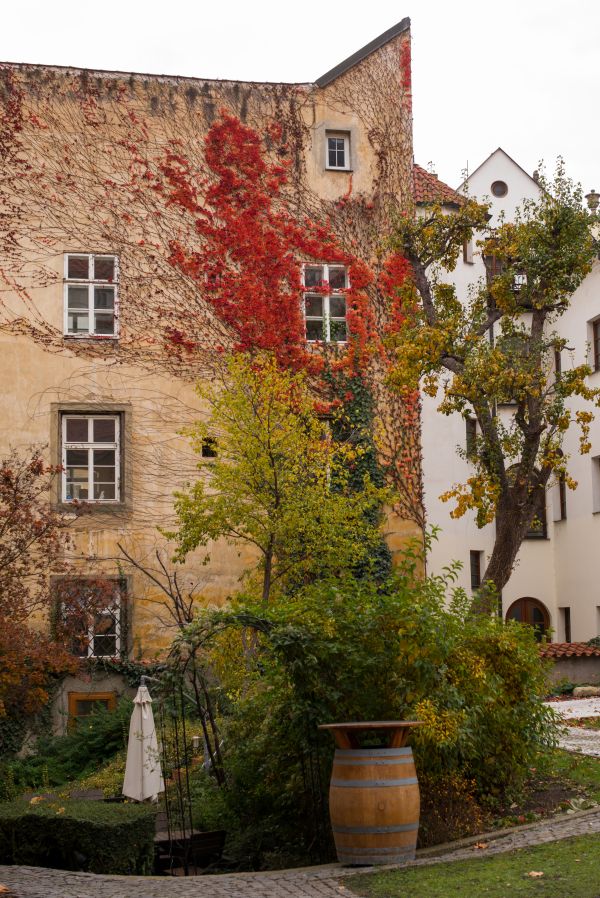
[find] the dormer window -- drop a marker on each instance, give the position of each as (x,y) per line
(337,151)
(325,303)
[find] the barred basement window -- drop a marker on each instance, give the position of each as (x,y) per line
(91,613)
(91,458)
(325,309)
(91,282)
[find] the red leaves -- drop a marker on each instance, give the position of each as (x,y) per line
(32,541)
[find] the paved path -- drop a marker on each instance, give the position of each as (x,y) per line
(330,881)
(578,739)
(577,707)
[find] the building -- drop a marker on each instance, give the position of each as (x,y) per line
(95,325)
(553,585)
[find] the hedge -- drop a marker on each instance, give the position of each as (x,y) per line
(95,837)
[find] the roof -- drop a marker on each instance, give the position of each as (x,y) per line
(429,189)
(365,51)
(325,79)
(569,650)
(497,150)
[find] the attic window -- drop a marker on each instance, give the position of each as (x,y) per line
(499,188)
(337,151)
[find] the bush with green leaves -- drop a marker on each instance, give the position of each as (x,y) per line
(78,835)
(92,741)
(356,650)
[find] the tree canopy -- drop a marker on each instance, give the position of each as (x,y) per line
(497,347)
(278,481)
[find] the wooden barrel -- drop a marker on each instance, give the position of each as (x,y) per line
(374,805)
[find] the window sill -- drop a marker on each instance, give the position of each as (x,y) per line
(93,508)
(94,337)
(342,170)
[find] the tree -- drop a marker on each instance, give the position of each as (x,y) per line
(498,347)
(33,540)
(278,482)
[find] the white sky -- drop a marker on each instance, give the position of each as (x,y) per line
(521,74)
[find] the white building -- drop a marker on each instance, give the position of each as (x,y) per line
(554,582)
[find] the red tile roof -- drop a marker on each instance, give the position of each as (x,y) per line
(429,189)
(569,650)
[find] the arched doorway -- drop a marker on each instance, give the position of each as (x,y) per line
(530,611)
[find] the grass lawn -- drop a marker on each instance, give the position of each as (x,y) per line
(571,869)
(580,770)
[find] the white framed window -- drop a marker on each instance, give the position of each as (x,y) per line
(92,614)
(325,308)
(100,634)
(337,150)
(91,295)
(91,458)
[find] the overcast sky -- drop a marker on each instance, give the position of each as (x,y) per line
(521,74)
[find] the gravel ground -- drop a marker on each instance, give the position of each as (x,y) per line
(577,707)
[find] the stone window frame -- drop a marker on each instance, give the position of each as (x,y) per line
(124,504)
(125,584)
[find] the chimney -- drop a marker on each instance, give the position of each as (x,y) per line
(536,176)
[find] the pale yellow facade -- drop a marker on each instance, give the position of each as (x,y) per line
(149,388)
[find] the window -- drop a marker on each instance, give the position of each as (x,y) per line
(557,363)
(325,308)
(91,458)
(596,484)
(565,619)
(90,295)
(562,497)
(90,616)
(538,529)
(499,188)
(209,448)
(475,559)
(471,436)
(337,151)
(596,343)
(468,252)
(81,704)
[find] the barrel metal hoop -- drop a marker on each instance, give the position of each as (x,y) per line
(366,851)
(373,784)
(376,762)
(368,830)
(376,752)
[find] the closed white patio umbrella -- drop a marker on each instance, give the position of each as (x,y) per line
(143,774)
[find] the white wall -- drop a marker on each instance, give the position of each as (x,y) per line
(556,570)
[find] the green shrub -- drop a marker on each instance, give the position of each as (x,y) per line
(78,835)
(357,650)
(93,741)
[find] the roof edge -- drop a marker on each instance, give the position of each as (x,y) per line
(487,159)
(141,76)
(365,51)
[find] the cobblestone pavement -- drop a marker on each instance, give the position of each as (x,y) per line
(331,881)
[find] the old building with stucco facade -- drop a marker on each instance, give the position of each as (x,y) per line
(88,292)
